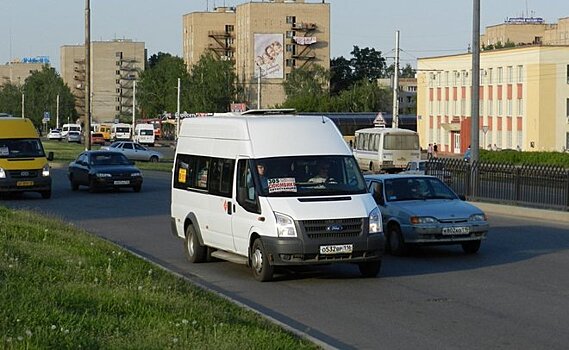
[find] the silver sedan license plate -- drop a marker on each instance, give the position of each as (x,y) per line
(336,249)
(457,230)
(121,182)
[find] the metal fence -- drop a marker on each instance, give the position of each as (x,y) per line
(544,187)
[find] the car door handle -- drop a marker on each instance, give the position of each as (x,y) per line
(229,208)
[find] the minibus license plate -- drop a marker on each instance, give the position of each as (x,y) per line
(460,230)
(336,249)
(24,183)
(121,182)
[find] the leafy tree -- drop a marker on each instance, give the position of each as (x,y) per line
(367,63)
(41,89)
(157,88)
(212,85)
(307,89)
(11,99)
(407,72)
(363,96)
(341,75)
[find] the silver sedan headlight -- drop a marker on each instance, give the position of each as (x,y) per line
(415,220)
(477,217)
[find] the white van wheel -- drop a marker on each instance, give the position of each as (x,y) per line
(262,269)
(195,252)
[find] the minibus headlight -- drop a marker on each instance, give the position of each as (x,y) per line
(2,174)
(285,226)
(45,171)
(375,225)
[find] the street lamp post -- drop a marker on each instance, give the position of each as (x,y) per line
(87,131)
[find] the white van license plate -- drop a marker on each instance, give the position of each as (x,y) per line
(460,230)
(121,182)
(336,249)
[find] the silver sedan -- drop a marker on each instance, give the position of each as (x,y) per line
(135,151)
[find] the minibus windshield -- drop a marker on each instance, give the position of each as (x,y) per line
(308,176)
(21,148)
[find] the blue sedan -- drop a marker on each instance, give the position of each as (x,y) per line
(423,210)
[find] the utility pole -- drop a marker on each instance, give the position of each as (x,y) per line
(133,107)
(178,111)
(23,105)
(57,112)
(395,120)
(259,89)
(475,103)
(87,130)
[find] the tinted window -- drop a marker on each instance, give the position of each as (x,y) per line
(404,142)
(204,173)
(20,148)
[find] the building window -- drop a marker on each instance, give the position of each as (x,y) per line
(290,19)
(510,73)
(229,28)
(500,106)
(118,54)
(118,72)
(117,108)
(118,91)
(490,107)
(520,74)
(521,106)
(509,107)
(290,62)
(500,73)
(290,48)
(118,63)
(290,34)
(118,81)
(568,74)
(567,110)
(454,75)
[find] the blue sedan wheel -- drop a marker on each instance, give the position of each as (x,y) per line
(395,243)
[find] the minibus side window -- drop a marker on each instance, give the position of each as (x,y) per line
(221,178)
(246,193)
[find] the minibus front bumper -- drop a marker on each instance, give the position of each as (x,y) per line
(26,183)
(301,251)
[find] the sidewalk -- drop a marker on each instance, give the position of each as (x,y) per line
(527,213)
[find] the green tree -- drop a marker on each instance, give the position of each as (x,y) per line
(158,85)
(367,63)
(363,96)
(341,75)
(11,99)
(41,89)
(307,89)
(212,85)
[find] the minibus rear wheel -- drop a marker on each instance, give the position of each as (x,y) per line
(195,252)
(262,269)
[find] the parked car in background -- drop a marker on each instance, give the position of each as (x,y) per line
(97,138)
(74,136)
(103,170)
(423,210)
(436,168)
(55,134)
(135,151)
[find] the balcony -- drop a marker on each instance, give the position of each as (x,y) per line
(304,26)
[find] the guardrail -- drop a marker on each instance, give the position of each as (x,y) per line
(545,187)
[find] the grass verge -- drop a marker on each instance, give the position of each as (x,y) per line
(63,288)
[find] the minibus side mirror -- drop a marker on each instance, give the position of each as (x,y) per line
(50,156)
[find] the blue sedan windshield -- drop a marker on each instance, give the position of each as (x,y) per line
(417,188)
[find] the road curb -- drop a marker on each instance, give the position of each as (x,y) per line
(528,213)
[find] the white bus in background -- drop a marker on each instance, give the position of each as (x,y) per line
(144,134)
(121,131)
(386,149)
(66,128)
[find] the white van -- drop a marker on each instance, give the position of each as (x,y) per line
(144,134)
(386,149)
(66,128)
(120,131)
(223,205)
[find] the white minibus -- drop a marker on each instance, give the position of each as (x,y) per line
(144,134)
(66,128)
(386,149)
(270,191)
(120,131)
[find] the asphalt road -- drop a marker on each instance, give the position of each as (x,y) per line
(514,294)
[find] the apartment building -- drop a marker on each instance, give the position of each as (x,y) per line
(524,99)
(407,93)
(527,31)
(264,39)
(17,71)
(115,65)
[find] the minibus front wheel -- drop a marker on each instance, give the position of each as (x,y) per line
(262,269)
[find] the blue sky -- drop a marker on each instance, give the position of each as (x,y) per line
(428,28)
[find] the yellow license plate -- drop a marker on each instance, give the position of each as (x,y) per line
(24,183)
